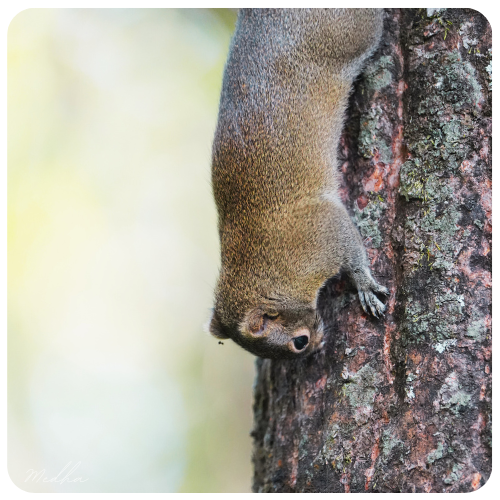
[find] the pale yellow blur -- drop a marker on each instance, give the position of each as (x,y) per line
(113,255)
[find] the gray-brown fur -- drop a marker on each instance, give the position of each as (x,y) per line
(282,227)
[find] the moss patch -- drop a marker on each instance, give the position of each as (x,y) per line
(361,390)
(452,396)
(367,220)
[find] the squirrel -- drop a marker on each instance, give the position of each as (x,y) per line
(283,228)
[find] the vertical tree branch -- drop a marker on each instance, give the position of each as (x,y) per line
(402,404)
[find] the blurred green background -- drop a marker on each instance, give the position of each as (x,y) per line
(113,255)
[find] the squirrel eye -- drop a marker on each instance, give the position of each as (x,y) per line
(271,315)
(300,342)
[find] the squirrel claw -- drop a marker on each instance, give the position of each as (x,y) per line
(371,304)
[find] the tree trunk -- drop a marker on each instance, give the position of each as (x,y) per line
(402,403)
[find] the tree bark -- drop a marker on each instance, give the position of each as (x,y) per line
(402,403)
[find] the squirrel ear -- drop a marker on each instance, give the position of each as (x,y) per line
(215,327)
(256,322)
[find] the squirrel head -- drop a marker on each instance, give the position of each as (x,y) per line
(272,329)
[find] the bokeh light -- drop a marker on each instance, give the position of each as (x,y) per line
(113,255)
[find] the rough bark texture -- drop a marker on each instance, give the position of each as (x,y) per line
(404,403)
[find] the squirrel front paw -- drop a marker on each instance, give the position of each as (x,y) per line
(370,301)
(367,290)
